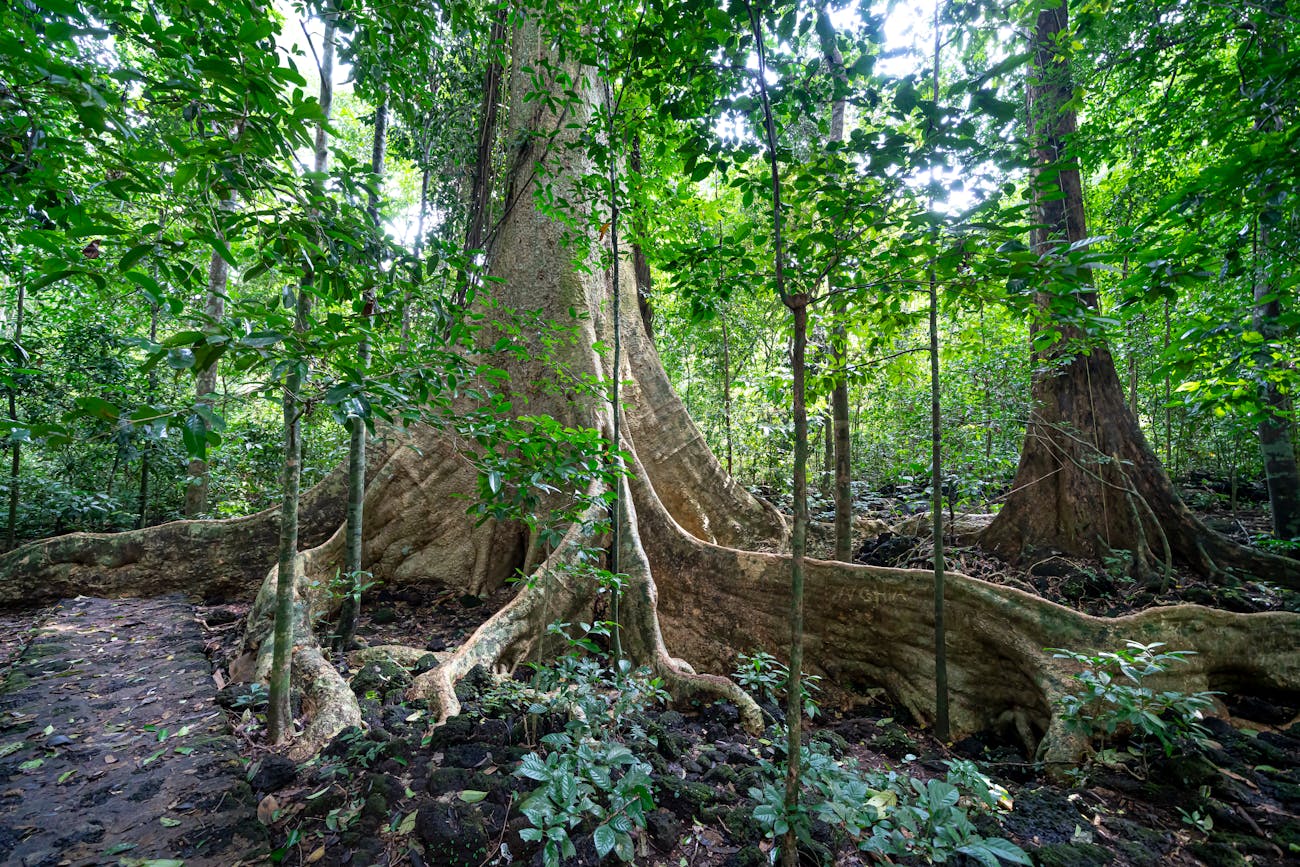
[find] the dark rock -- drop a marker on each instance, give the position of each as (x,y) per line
(894,742)
(475,681)
(750,856)
(1188,769)
(671,719)
(383,616)
(375,810)
(379,677)
(237,696)
(1141,846)
(1217,855)
(274,774)
(685,799)
(456,730)
(466,755)
(835,741)
(1043,814)
(664,828)
(436,643)
(453,833)
(428,662)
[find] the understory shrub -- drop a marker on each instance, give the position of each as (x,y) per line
(887,813)
(1111,699)
(591,780)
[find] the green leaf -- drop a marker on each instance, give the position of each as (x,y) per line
(134,255)
(472,796)
(185,173)
(604,838)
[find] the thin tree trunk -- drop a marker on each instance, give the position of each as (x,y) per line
(15,458)
(480,197)
(798,306)
(142,499)
(640,265)
(726,388)
(350,606)
(842,444)
(279,716)
(1280,470)
(205,384)
(941,728)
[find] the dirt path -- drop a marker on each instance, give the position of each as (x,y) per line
(112,751)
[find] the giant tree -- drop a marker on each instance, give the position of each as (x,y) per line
(705,570)
(1088,484)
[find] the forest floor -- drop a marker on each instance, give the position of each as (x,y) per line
(116,678)
(111,748)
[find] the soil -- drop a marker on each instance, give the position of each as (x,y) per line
(92,679)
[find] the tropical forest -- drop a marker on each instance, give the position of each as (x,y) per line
(681,433)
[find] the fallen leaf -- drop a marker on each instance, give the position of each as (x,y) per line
(315,856)
(266,811)
(168,821)
(110,759)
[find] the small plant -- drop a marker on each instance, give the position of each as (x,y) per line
(590,778)
(1111,699)
(889,814)
(765,677)
(1202,822)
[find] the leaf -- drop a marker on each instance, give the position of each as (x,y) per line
(604,838)
(408,823)
(168,822)
(135,254)
(472,796)
(317,854)
(185,173)
(267,810)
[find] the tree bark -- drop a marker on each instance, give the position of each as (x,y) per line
(16,457)
(841,444)
(352,568)
(1088,484)
(142,498)
(205,384)
(279,713)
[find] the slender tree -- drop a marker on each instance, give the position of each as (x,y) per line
(279,716)
(15,447)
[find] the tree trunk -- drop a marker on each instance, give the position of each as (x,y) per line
(1088,484)
(1276,426)
(480,197)
(352,568)
(279,713)
(640,265)
(205,384)
(841,444)
(142,499)
(16,457)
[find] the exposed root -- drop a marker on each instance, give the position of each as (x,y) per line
(327,701)
(517,631)
(403,654)
(872,626)
(212,559)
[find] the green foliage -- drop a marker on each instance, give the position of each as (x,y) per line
(887,813)
(1111,698)
(590,779)
(766,677)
